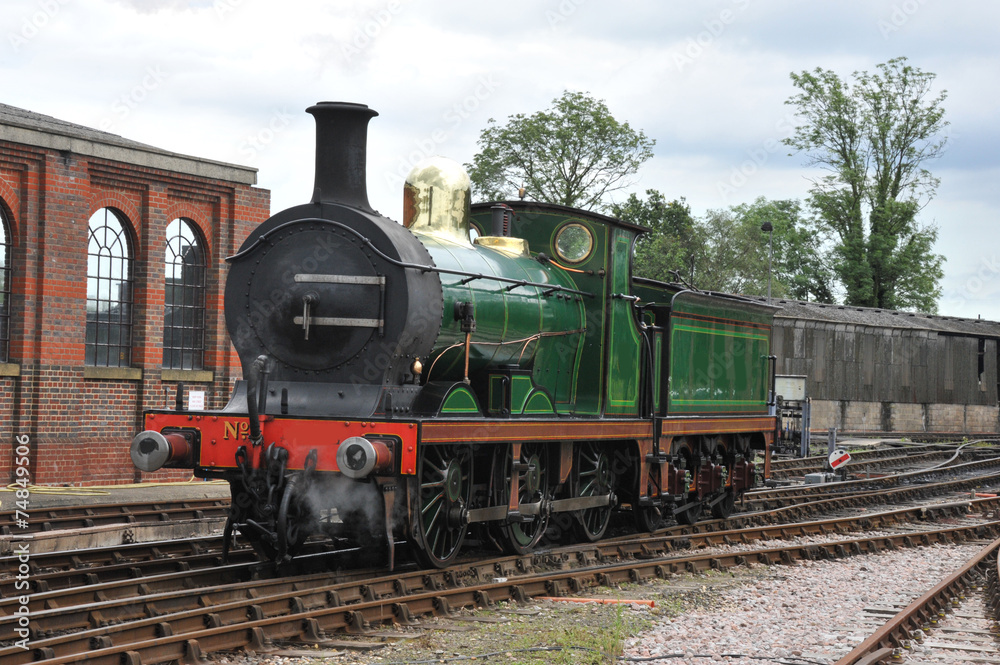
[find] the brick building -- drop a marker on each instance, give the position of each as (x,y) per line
(112,270)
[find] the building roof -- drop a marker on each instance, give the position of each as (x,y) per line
(36,129)
(883,318)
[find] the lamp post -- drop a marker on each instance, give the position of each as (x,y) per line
(766,226)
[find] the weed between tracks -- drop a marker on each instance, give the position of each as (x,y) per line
(551,632)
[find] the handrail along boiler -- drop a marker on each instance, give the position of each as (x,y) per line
(492,370)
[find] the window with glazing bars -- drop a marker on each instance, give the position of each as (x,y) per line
(184,297)
(5,243)
(109,292)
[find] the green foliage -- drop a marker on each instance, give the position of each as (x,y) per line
(573,154)
(737,258)
(873,138)
(672,250)
(727,251)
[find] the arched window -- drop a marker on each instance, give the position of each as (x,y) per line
(5,243)
(184,296)
(109,292)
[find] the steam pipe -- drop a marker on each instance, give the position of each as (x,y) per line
(341,153)
(253,385)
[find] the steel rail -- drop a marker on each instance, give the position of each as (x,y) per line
(855,464)
(894,479)
(81,517)
(314,611)
(808,508)
(127,585)
(887,640)
(95,558)
(875,484)
(864,455)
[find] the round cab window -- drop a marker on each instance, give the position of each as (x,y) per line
(574,243)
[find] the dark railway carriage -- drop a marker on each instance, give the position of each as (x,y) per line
(437,382)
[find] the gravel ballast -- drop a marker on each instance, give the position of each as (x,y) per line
(814,610)
(809,612)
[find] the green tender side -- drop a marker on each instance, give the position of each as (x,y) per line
(718,355)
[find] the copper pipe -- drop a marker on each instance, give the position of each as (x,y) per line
(468,337)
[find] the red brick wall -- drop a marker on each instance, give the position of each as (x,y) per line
(80,428)
(7,386)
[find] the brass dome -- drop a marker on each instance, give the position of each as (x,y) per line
(437,199)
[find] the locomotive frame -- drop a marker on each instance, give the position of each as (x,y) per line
(441,386)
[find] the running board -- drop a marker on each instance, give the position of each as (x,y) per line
(500,513)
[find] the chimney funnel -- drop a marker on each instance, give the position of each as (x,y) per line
(341,148)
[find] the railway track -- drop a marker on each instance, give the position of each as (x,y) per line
(799,466)
(769,498)
(956,620)
(89,516)
(169,601)
(164,617)
(860,463)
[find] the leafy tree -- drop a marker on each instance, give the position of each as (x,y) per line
(574,154)
(799,267)
(873,138)
(672,249)
(727,251)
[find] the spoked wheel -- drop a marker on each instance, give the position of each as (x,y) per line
(521,537)
(441,509)
(592,477)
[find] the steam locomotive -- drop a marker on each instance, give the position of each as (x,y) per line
(488,371)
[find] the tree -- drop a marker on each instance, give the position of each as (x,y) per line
(573,154)
(873,138)
(672,248)
(738,258)
(800,268)
(727,251)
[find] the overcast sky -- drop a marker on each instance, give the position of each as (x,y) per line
(229,80)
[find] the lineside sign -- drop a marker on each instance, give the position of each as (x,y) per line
(839,458)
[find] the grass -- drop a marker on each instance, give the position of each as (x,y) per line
(597,639)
